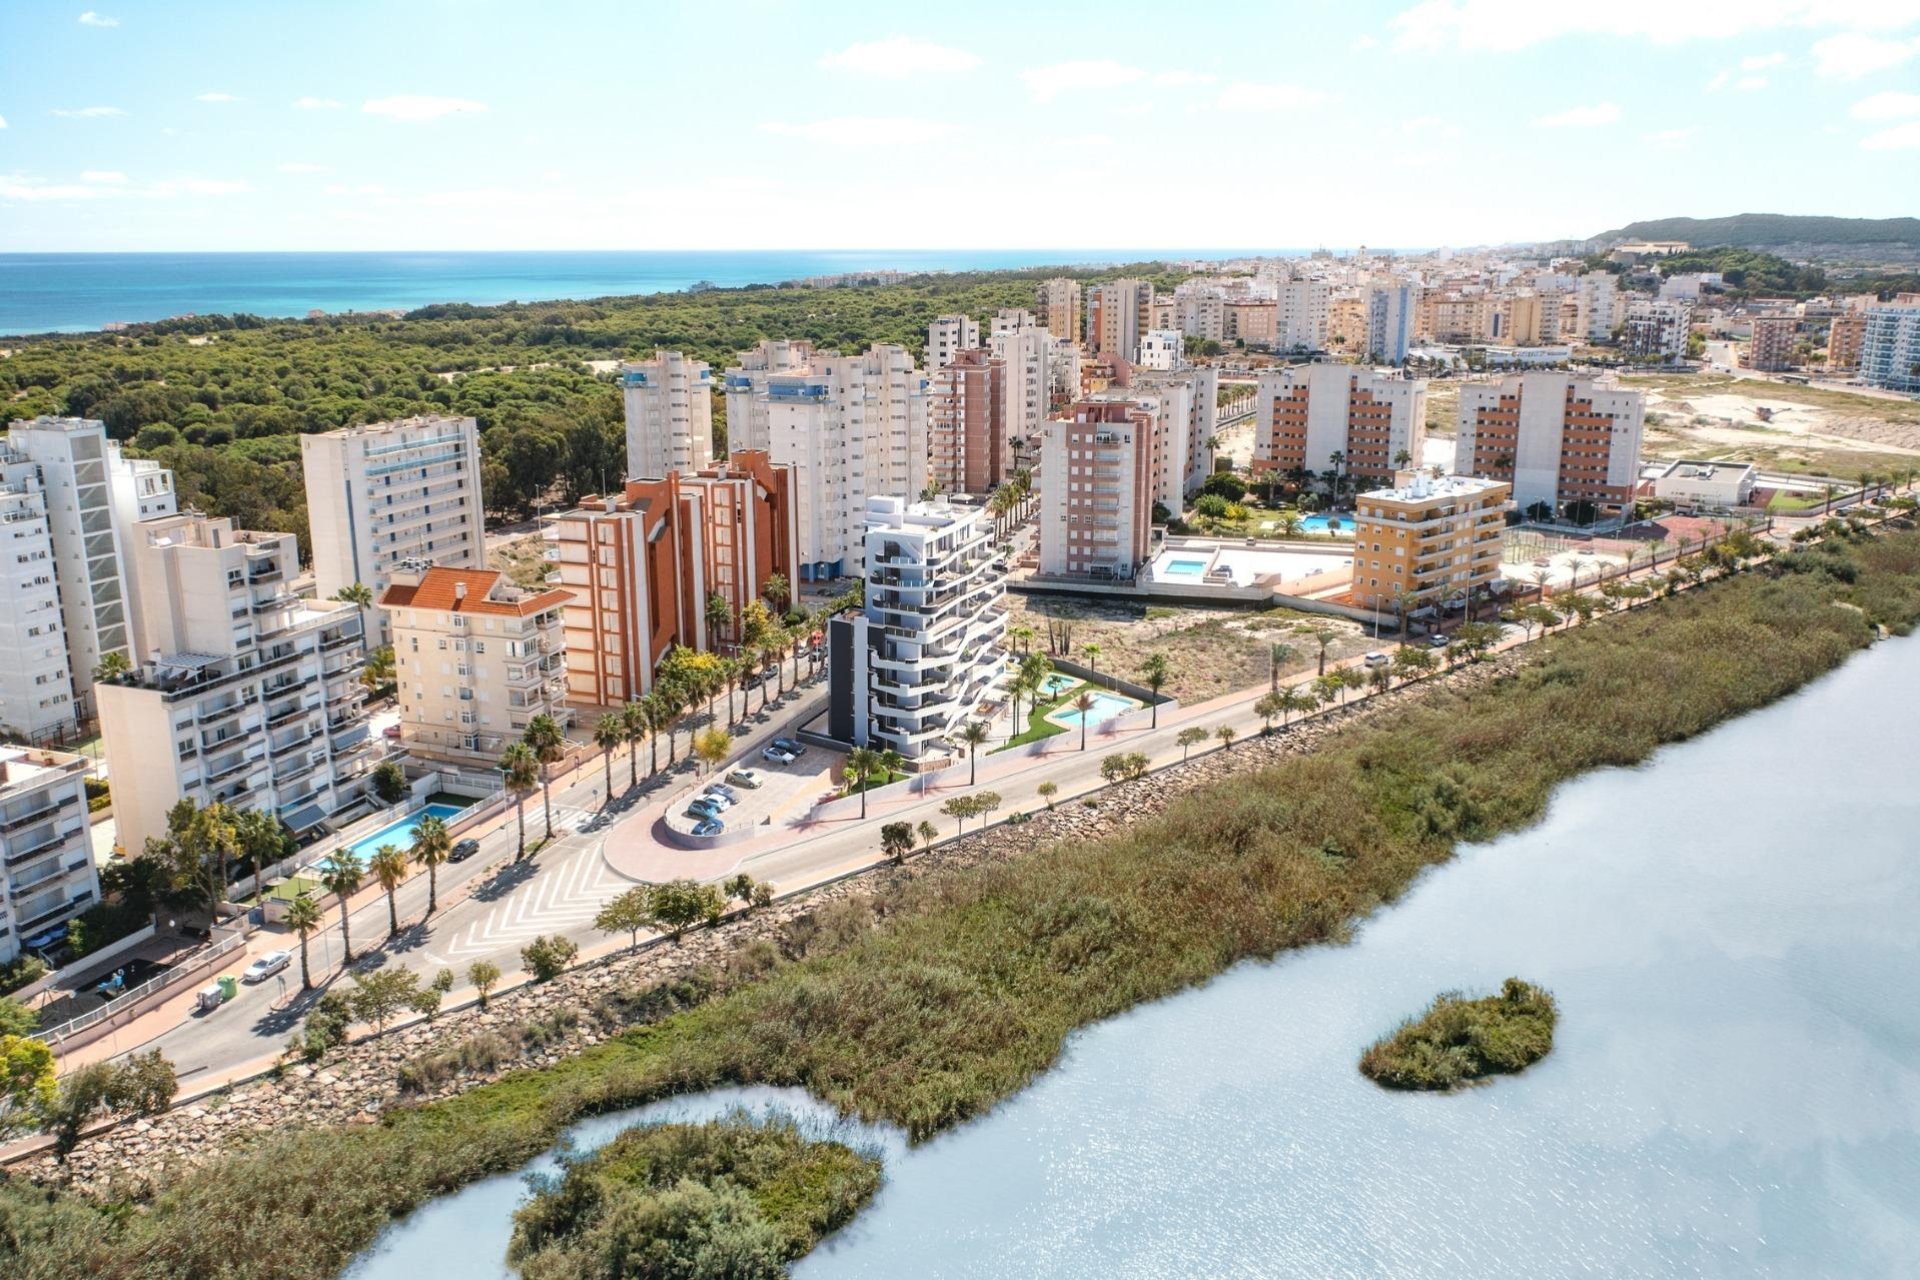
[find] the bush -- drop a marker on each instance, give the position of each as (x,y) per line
(390,782)
(1460,1041)
(325,1028)
(20,972)
(547,957)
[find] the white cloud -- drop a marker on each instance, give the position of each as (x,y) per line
(900,58)
(1507,25)
(1364,42)
(1671,139)
(1902,137)
(20,186)
(98,184)
(1890,105)
(1747,84)
(298,166)
(87,113)
(3,122)
(860,131)
(1181,79)
(196,187)
(92,19)
(214,97)
(1049,82)
(1761,61)
(1429,127)
(415,107)
(1267,97)
(316,104)
(1850,55)
(110,176)
(1088,140)
(1720,81)
(1580,117)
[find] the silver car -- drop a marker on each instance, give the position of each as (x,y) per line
(266,966)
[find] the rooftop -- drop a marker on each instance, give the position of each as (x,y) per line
(1418,486)
(30,766)
(398,424)
(468,591)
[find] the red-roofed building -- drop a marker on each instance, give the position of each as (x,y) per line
(475,657)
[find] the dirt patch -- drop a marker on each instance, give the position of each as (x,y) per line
(522,559)
(1711,415)
(1210,651)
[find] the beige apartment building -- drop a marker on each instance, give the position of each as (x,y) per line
(388,492)
(476,657)
(1771,346)
(1557,438)
(1057,303)
(1844,336)
(1304,414)
(669,411)
(1425,542)
(1118,313)
(1097,490)
(641,565)
(242,691)
(1019,341)
(967,437)
(1347,322)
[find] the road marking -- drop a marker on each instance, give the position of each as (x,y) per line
(560,895)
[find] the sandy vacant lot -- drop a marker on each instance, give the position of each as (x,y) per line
(1686,414)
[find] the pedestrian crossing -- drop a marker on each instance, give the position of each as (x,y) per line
(567,885)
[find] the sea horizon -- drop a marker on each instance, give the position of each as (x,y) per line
(86,291)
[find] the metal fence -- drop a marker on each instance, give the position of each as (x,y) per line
(127,999)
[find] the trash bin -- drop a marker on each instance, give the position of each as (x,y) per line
(229,986)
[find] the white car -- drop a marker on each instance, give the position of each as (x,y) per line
(266,966)
(748,778)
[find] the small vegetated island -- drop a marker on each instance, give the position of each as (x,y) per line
(735,1197)
(1461,1041)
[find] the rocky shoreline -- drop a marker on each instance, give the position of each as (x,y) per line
(356,1083)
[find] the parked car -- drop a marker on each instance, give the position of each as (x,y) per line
(719,798)
(774,755)
(705,807)
(792,748)
(708,827)
(462,850)
(1437,640)
(266,966)
(724,791)
(747,778)
(1376,660)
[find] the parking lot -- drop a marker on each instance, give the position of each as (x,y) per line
(784,791)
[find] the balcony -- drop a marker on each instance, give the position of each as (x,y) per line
(39,814)
(239,766)
(46,844)
(288,716)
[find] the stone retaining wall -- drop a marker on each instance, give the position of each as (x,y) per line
(358,1081)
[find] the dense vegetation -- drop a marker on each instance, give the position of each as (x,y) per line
(730,1197)
(1460,1040)
(1762,230)
(223,400)
(953,990)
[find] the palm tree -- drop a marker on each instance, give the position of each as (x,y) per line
(520,773)
(1022,637)
(672,701)
(862,763)
(342,873)
(1092,653)
(544,739)
(1154,669)
(719,615)
(360,596)
(1225,734)
(1084,704)
(432,845)
(261,841)
(779,592)
(112,666)
(653,706)
(633,727)
(303,917)
(379,668)
(389,867)
(974,733)
(609,731)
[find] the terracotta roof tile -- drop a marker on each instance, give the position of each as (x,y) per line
(437,589)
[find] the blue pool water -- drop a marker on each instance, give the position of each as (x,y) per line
(1057,683)
(1105,707)
(1183,568)
(401,832)
(1319,524)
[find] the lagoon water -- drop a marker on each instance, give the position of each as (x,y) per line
(1733,934)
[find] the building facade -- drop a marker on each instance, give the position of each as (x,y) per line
(669,408)
(947,336)
(245,692)
(1707,484)
(390,492)
(968,444)
(1020,342)
(1304,414)
(36,684)
(1188,398)
(1426,542)
(1890,345)
(1771,346)
(1558,439)
(1097,490)
(1844,339)
(918,658)
(1057,302)
(50,876)
(1656,330)
(476,659)
(1118,313)
(641,566)
(1390,322)
(847,426)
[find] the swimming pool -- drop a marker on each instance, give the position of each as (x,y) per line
(1105,707)
(1057,683)
(1183,568)
(1321,524)
(401,832)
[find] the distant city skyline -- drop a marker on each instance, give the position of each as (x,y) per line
(478,124)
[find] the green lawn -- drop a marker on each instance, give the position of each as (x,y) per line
(1782,502)
(1038,726)
(876,781)
(293,888)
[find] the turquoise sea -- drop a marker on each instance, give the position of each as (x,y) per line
(72,292)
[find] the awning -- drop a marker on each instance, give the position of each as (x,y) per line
(304,817)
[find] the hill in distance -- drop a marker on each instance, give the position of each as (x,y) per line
(1770,230)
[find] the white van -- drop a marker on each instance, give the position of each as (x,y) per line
(1376,660)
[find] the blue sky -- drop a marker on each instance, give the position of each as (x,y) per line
(479,124)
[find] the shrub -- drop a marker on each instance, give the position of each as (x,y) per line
(1460,1041)
(547,957)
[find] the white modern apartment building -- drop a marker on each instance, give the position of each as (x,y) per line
(36,687)
(849,427)
(669,407)
(241,692)
(1655,328)
(1600,304)
(1558,438)
(1304,414)
(476,659)
(393,491)
(919,657)
(1890,345)
(1300,322)
(947,336)
(1097,489)
(1188,401)
(1024,346)
(1161,349)
(91,496)
(50,875)
(1390,322)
